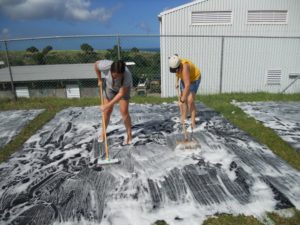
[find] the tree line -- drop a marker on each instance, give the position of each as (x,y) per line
(146,63)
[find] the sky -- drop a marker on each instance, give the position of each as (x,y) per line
(34,18)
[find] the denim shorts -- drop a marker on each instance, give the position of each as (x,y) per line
(194,85)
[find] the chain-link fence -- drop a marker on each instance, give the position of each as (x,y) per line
(63,66)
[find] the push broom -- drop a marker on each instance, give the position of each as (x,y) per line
(185,143)
(107,160)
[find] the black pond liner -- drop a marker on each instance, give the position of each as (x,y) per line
(53,177)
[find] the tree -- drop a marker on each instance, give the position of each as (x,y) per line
(47,49)
(113,53)
(134,49)
(141,60)
(32,49)
(40,58)
(86,48)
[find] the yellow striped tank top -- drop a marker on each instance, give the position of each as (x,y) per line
(195,73)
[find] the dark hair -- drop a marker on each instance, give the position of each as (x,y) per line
(118,66)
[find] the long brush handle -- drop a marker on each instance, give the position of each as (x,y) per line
(183,115)
(103,122)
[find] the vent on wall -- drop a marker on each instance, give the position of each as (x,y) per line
(273,77)
(211,17)
(267,16)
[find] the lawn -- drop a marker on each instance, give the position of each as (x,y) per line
(220,103)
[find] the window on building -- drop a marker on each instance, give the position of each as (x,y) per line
(273,77)
(267,17)
(211,18)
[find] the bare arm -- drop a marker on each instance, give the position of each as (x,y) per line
(98,73)
(176,84)
(123,90)
(187,82)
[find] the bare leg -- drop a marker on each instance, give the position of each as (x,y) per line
(192,108)
(106,114)
(126,118)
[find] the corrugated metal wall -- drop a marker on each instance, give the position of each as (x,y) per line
(245,60)
(203,51)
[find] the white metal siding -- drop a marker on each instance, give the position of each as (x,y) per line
(205,55)
(246,60)
(179,22)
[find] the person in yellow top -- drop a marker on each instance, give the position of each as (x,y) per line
(190,78)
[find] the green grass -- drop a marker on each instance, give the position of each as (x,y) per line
(273,218)
(294,220)
(52,106)
(220,103)
(225,219)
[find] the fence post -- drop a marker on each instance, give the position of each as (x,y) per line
(221,66)
(10,73)
(118,43)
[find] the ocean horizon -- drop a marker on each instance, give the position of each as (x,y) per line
(150,44)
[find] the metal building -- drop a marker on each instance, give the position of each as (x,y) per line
(60,80)
(239,46)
